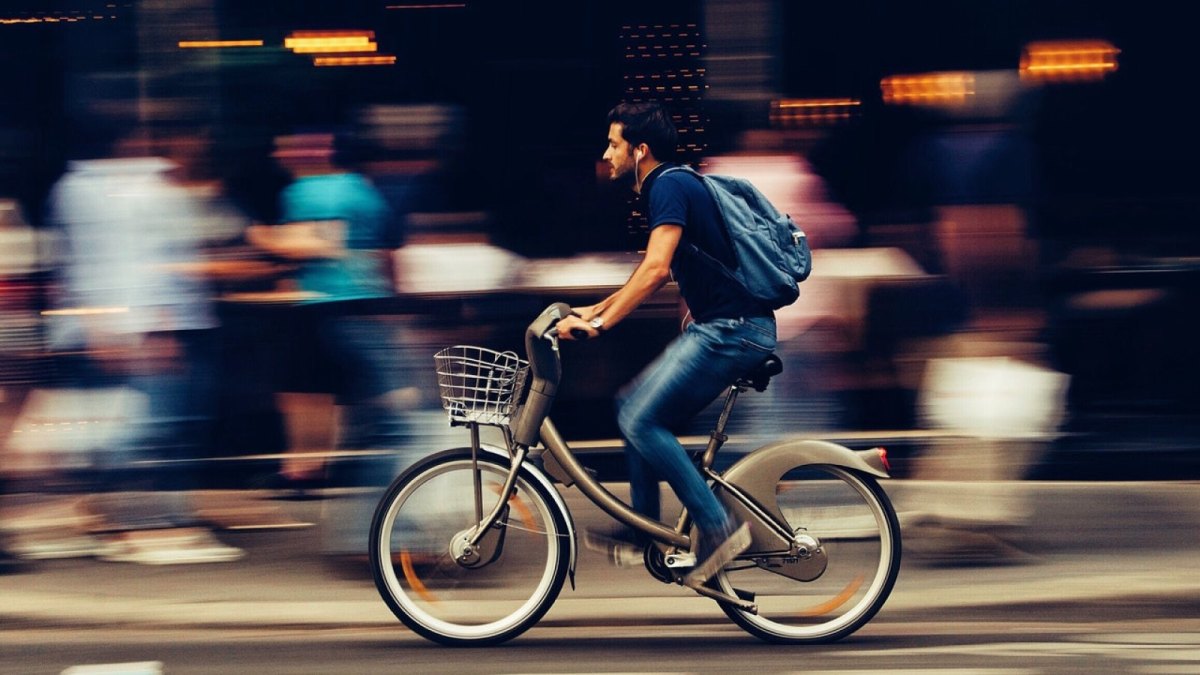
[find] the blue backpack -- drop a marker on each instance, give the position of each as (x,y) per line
(772,253)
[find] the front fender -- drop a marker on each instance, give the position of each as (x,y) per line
(758,474)
(540,476)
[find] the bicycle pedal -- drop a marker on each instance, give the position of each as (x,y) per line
(682,560)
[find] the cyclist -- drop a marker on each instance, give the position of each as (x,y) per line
(726,332)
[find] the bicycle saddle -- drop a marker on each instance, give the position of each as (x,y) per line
(760,376)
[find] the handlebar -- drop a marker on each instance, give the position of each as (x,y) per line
(551,333)
(541,346)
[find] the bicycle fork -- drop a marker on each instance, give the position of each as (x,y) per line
(481,544)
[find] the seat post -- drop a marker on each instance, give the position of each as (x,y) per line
(718,437)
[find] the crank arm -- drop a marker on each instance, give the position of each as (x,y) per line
(746,605)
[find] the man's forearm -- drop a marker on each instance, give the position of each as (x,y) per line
(646,279)
(293,240)
(650,275)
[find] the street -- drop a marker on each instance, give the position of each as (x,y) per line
(1149,636)
(1097,577)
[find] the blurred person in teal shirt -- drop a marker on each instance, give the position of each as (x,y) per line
(339,231)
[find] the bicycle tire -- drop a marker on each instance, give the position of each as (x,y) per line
(856,524)
(448,603)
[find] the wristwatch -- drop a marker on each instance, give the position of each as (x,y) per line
(597,323)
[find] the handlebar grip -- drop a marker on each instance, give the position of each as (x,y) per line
(579,334)
(559,310)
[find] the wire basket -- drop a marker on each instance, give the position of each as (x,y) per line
(480,385)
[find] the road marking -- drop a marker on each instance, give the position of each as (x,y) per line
(926,671)
(1155,652)
(132,668)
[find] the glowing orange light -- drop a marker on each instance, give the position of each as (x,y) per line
(218,44)
(928,89)
(790,112)
(325,61)
(326,42)
(1068,60)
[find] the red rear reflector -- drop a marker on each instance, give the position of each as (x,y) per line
(883,458)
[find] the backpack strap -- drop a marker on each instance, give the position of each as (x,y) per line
(704,256)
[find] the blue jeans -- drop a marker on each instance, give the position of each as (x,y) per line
(693,370)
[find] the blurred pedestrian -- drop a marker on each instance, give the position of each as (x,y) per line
(340,231)
(133,317)
(20,343)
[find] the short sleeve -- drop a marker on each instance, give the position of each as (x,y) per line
(668,203)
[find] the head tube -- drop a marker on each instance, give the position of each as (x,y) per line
(546,369)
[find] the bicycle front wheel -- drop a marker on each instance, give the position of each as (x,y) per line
(827,599)
(496,598)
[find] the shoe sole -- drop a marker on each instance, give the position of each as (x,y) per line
(729,549)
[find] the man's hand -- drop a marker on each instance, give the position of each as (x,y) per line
(573,322)
(302,240)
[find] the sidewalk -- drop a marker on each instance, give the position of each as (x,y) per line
(1077,543)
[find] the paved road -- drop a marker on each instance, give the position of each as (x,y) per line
(1072,638)
(1083,575)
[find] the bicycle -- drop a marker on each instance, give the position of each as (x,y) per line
(471,546)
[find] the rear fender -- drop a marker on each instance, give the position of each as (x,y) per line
(757,474)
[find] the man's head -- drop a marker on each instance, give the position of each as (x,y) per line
(302,154)
(638,132)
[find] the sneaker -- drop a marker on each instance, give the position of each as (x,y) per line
(717,550)
(621,547)
(9,562)
(170,547)
(53,545)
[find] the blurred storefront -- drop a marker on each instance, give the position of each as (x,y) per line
(960,203)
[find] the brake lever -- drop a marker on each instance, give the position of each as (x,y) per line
(577,333)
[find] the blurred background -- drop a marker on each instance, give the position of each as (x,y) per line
(1001,196)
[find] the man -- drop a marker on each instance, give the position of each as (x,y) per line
(728,334)
(135,325)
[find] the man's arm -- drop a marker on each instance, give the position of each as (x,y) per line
(302,240)
(650,275)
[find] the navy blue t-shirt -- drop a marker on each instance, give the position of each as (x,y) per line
(678,198)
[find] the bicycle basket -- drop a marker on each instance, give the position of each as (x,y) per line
(479,384)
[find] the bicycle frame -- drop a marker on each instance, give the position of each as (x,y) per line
(771,534)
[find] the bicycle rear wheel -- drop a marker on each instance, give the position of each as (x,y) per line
(859,535)
(430,505)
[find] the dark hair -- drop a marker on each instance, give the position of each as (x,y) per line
(647,123)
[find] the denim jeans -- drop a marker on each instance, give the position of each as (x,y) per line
(693,370)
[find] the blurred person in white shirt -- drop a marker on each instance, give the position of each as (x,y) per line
(133,314)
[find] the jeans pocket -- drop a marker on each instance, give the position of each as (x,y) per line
(757,335)
(752,345)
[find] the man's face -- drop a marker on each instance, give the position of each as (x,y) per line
(619,154)
(297,152)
